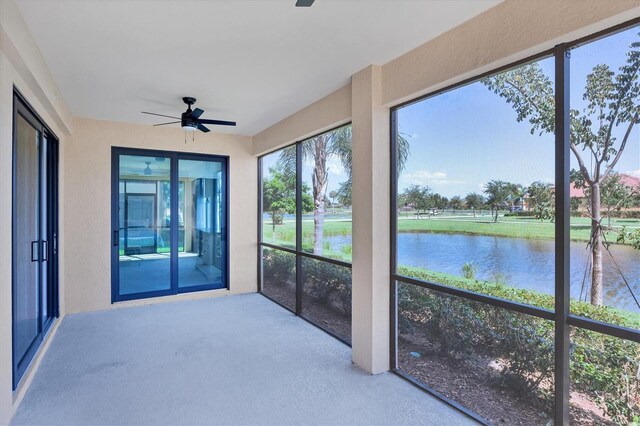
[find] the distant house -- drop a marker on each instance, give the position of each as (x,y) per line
(578,193)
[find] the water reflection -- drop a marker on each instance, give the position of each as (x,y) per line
(523,263)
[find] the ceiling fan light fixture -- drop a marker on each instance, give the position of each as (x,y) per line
(190,127)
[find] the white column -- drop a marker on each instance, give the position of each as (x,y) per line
(371,181)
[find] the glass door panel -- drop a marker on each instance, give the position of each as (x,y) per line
(35,224)
(202,221)
(144,214)
(26,292)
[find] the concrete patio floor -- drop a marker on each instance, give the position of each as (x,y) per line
(230,360)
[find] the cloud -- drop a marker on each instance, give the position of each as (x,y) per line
(634,173)
(334,166)
(424,177)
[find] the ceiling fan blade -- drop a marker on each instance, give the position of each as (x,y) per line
(164,124)
(304,3)
(160,115)
(202,128)
(196,113)
(218,122)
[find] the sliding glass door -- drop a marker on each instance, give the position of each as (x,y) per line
(144,214)
(169,223)
(201,259)
(34,253)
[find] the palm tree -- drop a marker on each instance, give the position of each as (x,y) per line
(337,144)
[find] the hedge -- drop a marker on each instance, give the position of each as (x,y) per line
(604,367)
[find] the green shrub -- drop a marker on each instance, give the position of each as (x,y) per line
(327,284)
(604,367)
(279,266)
(520,214)
(469,270)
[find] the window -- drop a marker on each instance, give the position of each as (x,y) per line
(497,218)
(305,248)
(473,214)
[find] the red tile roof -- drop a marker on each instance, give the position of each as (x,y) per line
(628,180)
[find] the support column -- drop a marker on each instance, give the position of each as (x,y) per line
(370,198)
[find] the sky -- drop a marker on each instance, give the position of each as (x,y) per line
(463,138)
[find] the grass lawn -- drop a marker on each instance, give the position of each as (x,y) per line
(513,227)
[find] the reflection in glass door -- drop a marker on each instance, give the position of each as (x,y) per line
(202,217)
(34,233)
(144,212)
(153,255)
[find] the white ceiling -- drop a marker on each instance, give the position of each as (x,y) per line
(252,61)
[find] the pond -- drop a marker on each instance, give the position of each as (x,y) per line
(522,263)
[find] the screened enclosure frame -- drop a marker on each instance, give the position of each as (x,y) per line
(561,316)
(297,251)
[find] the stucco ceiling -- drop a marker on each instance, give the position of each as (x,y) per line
(255,62)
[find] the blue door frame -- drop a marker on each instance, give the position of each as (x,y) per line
(174,157)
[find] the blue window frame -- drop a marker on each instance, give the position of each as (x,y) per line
(169,223)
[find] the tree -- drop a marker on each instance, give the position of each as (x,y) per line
(517,195)
(456,203)
(474,201)
(279,196)
(336,143)
(615,195)
(437,201)
(542,197)
(332,196)
(319,149)
(417,196)
(598,133)
(500,195)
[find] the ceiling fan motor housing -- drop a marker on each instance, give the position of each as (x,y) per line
(188,123)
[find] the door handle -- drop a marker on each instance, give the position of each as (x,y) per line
(116,238)
(34,251)
(45,250)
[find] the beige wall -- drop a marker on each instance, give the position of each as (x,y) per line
(330,111)
(87,168)
(512,30)
(371,217)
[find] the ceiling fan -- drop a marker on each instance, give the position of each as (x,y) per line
(190,119)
